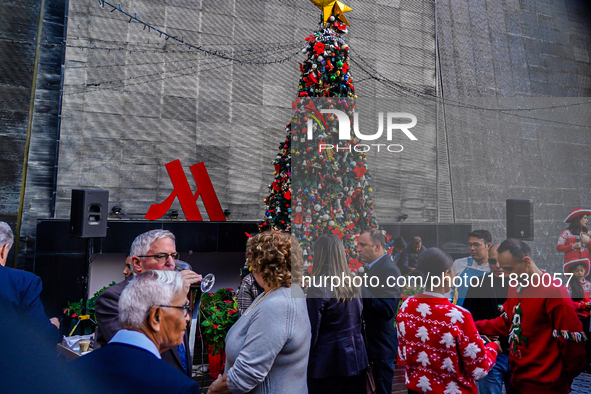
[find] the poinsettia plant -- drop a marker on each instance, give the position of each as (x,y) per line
(75,309)
(219,312)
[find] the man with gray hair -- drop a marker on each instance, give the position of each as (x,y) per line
(20,290)
(152,250)
(153,313)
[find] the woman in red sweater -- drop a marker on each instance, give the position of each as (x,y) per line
(439,341)
(573,240)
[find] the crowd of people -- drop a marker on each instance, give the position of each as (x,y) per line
(453,337)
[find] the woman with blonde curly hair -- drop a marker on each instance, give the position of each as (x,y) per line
(267,349)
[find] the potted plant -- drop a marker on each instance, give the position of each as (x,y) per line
(219,312)
(75,311)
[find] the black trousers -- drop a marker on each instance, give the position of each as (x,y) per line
(383,374)
(337,385)
(587,343)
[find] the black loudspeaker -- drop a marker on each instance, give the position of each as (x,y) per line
(88,214)
(520,219)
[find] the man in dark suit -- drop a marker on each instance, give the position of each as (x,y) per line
(152,250)
(154,311)
(379,307)
(19,293)
(409,257)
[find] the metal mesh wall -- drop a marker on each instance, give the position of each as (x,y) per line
(134,101)
(503,50)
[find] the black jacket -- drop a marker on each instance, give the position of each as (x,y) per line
(337,346)
(379,310)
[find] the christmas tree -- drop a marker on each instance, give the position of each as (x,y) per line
(321,183)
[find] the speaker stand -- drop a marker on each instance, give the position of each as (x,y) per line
(88,255)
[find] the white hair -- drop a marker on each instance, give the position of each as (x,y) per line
(6,235)
(146,290)
(141,243)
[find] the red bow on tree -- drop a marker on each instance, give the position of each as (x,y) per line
(337,233)
(310,80)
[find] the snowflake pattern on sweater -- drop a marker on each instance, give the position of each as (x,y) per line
(441,347)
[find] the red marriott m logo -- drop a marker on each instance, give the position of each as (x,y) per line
(188,200)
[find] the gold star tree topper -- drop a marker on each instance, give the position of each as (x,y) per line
(333,7)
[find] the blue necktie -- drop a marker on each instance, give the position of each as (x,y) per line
(183,356)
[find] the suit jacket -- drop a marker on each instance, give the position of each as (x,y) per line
(379,310)
(122,368)
(107,316)
(19,296)
(337,347)
(408,259)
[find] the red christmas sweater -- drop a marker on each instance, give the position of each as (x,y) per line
(441,347)
(566,243)
(546,343)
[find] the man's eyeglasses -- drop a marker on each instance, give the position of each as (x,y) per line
(185,307)
(492,261)
(475,244)
(162,257)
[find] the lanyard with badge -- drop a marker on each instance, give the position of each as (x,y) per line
(467,273)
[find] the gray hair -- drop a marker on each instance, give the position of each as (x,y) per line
(146,290)
(141,243)
(6,235)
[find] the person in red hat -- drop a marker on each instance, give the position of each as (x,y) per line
(579,289)
(574,240)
